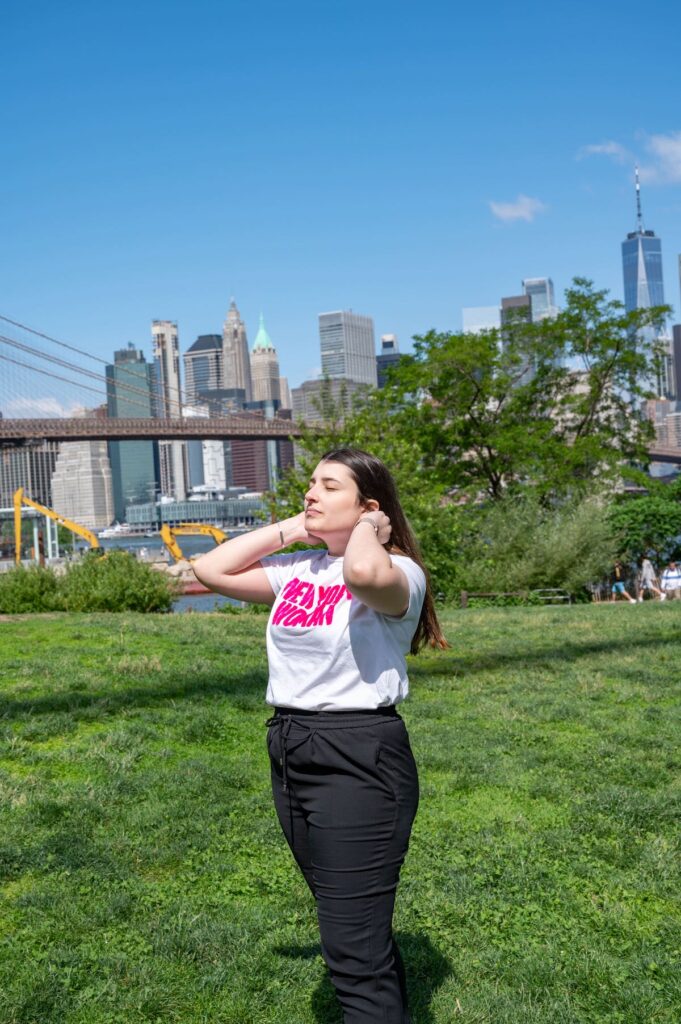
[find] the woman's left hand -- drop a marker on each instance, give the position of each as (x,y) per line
(382,522)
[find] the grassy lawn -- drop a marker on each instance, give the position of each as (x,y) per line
(143,875)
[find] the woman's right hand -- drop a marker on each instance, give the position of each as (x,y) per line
(294,531)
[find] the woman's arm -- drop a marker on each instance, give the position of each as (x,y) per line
(234,567)
(368,571)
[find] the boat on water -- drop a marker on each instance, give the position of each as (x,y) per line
(117,530)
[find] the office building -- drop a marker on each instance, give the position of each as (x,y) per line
(236,364)
(541,296)
(676,361)
(82,487)
(642,264)
(264,367)
(389,356)
(347,347)
(285,393)
(30,467)
(254,461)
(644,287)
(202,367)
(172,454)
(316,400)
(476,319)
(194,448)
(130,392)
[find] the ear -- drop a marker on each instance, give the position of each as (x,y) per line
(371,505)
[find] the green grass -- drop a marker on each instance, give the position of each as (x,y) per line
(145,879)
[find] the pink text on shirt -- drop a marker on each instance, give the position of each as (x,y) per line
(305,604)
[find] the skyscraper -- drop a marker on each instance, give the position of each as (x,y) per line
(130,390)
(236,365)
(348,347)
(264,367)
(389,356)
(82,483)
(172,454)
(643,284)
(542,301)
(31,468)
(642,264)
(202,367)
(476,319)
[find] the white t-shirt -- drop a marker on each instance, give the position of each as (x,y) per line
(327,651)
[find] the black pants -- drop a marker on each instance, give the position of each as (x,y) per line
(346,792)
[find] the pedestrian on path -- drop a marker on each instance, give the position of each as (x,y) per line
(618,583)
(671,581)
(648,580)
(344,779)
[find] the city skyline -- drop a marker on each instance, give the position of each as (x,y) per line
(405,197)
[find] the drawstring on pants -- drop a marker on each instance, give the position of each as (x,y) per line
(336,719)
(283,723)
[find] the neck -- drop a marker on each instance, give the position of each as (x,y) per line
(336,544)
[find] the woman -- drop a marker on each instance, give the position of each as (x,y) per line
(343,775)
(648,580)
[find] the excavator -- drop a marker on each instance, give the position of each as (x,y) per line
(21,499)
(169,533)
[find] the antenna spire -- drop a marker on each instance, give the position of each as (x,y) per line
(639,215)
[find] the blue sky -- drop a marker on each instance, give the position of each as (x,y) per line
(161,157)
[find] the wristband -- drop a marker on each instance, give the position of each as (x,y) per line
(371,523)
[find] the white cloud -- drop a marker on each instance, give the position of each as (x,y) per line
(524,208)
(37,407)
(660,166)
(665,154)
(615,150)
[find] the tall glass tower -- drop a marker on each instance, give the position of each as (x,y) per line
(642,264)
(643,287)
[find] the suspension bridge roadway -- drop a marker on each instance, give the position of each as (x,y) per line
(242,428)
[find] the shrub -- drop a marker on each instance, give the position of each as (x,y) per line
(519,545)
(115,583)
(34,589)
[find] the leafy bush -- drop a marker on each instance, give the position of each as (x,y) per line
(517,545)
(35,589)
(115,583)
(650,525)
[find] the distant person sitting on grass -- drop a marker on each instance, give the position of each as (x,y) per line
(618,583)
(648,580)
(671,581)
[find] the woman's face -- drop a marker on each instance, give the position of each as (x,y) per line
(332,504)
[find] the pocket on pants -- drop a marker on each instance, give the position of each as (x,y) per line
(396,765)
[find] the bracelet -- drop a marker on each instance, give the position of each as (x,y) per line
(281,536)
(370,522)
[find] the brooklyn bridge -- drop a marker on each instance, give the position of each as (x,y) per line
(243,428)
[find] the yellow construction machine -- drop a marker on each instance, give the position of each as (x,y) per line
(21,499)
(169,533)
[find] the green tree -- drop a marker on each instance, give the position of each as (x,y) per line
(476,418)
(650,523)
(548,405)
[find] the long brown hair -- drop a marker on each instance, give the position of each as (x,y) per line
(374,481)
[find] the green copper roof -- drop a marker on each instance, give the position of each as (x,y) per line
(262,338)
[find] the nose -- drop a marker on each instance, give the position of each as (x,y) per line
(310,495)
